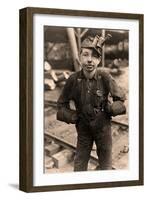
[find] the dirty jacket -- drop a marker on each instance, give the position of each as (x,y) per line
(90,97)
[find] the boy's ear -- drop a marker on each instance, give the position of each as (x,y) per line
(81,51)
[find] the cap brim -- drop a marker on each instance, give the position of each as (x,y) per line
(98,50)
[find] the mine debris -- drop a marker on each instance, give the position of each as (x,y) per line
(52,78)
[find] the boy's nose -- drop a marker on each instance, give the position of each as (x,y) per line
(89,58)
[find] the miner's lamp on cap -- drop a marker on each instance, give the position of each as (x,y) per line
(96,43)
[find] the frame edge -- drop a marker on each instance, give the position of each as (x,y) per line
(26,102)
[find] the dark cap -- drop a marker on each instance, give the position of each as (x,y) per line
(96,42)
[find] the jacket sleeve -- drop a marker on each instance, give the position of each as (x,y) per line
(64,112)
(118,96)
(116,91)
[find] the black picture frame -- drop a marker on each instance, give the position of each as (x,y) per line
(26,98)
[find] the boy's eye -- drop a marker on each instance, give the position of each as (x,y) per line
(95,56)
(85,54)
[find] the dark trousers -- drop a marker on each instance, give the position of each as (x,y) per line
(87,135)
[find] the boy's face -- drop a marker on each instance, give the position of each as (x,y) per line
(89,59)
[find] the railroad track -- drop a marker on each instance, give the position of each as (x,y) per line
(67,145)
(64,138)
(123,125)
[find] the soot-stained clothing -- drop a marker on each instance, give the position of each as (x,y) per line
(93,114)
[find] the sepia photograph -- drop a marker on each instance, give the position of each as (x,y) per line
(85,99)
(81,99)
